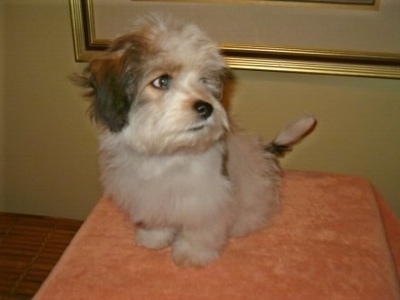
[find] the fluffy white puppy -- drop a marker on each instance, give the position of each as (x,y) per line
(169,155)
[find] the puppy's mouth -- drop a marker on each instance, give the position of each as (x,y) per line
(196,128)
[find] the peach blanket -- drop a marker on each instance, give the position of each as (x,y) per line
(335,239)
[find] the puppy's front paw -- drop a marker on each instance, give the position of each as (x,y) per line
(187,255)
(155,238)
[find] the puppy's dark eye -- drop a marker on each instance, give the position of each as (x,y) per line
(208,82)
(163,82)
(213,85)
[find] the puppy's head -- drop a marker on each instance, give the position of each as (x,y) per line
(160,87)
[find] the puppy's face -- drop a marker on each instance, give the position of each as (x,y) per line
(160,88)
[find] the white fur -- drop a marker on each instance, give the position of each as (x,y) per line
(187,195)
(186,180)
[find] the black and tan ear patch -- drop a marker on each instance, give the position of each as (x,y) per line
(113,80)
(112,100)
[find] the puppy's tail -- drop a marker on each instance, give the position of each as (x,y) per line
(291,135)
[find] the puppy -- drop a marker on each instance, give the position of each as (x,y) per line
(169,154)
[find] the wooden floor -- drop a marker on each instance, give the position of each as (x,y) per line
(30,246)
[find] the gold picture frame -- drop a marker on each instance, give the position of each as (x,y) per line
(90,37)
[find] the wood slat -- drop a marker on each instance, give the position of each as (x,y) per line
(30,246)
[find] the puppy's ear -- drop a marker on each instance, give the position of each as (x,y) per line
(112,80)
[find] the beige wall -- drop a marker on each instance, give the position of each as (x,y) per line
(50,154)
(359,122)
(2,142)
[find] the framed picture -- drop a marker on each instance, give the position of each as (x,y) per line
(302,36)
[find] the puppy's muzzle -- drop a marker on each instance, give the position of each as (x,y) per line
(203,109)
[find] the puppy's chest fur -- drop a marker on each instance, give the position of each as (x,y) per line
(163,189)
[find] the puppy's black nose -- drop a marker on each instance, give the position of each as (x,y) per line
(204,109)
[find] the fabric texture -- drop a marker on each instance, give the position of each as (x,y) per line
(334,239)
